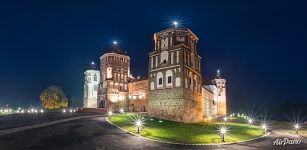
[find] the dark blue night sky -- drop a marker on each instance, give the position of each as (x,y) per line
(259,46)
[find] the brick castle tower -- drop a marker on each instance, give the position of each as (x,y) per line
(115,71)
(175,83)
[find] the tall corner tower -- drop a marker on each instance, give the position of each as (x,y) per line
(220,83)
(115,71)
(91,83)
(175,83)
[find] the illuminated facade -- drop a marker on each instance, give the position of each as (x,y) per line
(115,72)
(138,95)
(91,78)
(175,76)
(174,89)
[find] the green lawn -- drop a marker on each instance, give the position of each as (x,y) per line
(191,133)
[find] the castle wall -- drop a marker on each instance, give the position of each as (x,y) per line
(138,96)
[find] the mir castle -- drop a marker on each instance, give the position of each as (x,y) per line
(174,89)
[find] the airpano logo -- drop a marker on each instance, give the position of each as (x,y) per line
(286,141)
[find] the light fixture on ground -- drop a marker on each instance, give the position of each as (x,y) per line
(297,127)
(121,110)
(223,130)
(250,122)
(138,122)
(264,128)
(110,113)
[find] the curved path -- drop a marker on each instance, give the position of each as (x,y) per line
(96,133)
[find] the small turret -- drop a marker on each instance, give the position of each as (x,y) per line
(220,83)
(91,82)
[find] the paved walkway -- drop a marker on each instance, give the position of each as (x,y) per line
(19,129)
(95,133)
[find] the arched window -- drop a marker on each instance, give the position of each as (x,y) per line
(109,72)
(159,80)
(191,81)
(164,57)
(169,76)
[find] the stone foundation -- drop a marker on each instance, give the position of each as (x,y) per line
(179,105)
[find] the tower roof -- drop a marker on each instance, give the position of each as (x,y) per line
(92,66)
(115,49)
(178,29)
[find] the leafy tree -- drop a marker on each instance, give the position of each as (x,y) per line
(53,97)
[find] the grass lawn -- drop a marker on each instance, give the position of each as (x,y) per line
(192,133)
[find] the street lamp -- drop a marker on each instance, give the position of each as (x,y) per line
(297,127)
(223,131)
(64,110)
(121,110)
(250,122)
(264,127)
(110,113)
(138,123)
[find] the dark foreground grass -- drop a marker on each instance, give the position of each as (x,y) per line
(192,133)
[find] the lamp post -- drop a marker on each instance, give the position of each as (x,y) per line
(250,122)
(223,132)
(121,110)
(138,124)
(296,127)
(110,113)
(264,127)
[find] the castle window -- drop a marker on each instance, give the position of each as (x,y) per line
(95,77)
(169,79)
(164,43)
(164,57)
(169,75)
(109,72)
(160,81)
